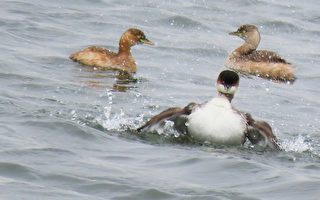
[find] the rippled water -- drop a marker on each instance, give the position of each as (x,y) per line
(66,131)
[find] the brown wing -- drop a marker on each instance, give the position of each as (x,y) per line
(168,114)
(265,56)
(101,50)
(260,132)
(92,52)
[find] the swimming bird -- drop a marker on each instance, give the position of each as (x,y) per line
(217,121)
(262,63)
(123,60)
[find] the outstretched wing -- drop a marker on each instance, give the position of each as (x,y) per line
(260,132)
(169,114)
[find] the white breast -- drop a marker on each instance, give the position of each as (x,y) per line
(217,122)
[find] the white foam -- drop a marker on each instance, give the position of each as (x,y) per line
(296,145)
(118,121)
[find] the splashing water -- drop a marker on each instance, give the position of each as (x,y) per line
(166,129)
(118,120)
(297,145)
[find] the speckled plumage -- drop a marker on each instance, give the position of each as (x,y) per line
(262,63)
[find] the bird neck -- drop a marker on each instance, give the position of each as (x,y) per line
(251,44)
(124,46)
(227,96)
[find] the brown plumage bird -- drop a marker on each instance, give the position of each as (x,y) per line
(104,59)
(262,63)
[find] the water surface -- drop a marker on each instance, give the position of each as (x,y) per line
(66,131)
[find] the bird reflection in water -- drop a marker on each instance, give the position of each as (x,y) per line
(118,80)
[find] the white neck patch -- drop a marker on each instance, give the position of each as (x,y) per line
(222,89)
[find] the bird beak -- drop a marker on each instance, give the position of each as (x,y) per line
(234,33)
(146,41)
